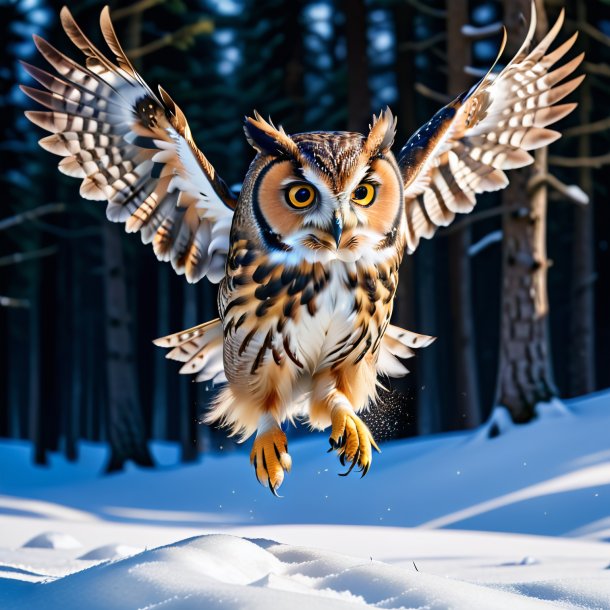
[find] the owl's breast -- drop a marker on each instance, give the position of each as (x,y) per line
(302,318)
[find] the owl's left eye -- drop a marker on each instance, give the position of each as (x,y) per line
(364,194)
(300,195)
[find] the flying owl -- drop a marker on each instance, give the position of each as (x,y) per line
(307,255)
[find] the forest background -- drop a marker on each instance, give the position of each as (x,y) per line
(80,301)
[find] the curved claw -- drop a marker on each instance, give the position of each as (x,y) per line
(337,444)
(352,440)
(273,490)
(270,459)
(354,462)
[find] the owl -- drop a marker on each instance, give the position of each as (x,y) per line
(307,255)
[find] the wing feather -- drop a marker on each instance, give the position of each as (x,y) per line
(465,148)
(133,149)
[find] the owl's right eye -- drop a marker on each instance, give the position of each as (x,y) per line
(300,195)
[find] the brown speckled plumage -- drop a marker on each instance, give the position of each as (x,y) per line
(307,256)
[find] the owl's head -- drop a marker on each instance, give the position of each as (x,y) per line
(323,196)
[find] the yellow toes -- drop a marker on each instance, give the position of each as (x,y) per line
(270,458)
(352,440)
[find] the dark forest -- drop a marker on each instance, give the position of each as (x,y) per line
(81,301)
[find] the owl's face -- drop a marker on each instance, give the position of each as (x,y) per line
(325,196)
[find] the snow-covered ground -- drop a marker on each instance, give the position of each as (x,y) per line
(451,521)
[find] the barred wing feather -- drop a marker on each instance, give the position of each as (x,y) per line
(465,148)
(135,150)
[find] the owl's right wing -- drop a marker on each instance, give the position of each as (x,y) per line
(466,146)
(134,150)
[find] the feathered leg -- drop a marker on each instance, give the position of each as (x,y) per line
(269,454)
(349,436)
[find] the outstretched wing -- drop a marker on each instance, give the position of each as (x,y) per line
(464,148)
(134,150)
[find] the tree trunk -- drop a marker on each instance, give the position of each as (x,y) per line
(405,304)
(430,414)
(65,325)
(582,311)
(125,424)
(188,418)
(525,373)
(36,422)
(465,369)
(358,93)
(161,369)
(294,70)
(74,430)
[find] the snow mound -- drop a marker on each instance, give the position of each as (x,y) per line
(548,477)
(111,551)
(220,571)
(569,592)
(52,540)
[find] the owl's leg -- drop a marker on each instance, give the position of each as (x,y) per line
(269,454)
(350,436)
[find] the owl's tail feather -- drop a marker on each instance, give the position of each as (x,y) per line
(397,344)
(200,348)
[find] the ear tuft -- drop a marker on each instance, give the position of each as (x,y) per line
(266,138)
(381,134)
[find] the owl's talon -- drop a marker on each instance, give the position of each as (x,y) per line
(338,443)
(270,459)
(255,464)
(351,467)
(273,490)
(352,440)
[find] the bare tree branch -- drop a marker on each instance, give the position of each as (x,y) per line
(572,193)
(87,231)
(484,243)
(137,7)
(595,162)
(477,33)
(424,90)
(598,69)
(423,45)
(428,10)
(12,302)
(51,208)
(179,37)
(581,130)
(22,257)
(476,72)
(438,52)
(592,31)
(484,215)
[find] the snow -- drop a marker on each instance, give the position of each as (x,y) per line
(53,540)
(461,520)
(111,551)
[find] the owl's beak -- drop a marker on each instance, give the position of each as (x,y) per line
(337,227)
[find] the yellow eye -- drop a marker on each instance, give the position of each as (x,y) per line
(364,194)
(301,195)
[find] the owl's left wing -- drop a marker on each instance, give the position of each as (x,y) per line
(134,150)
(464,148)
